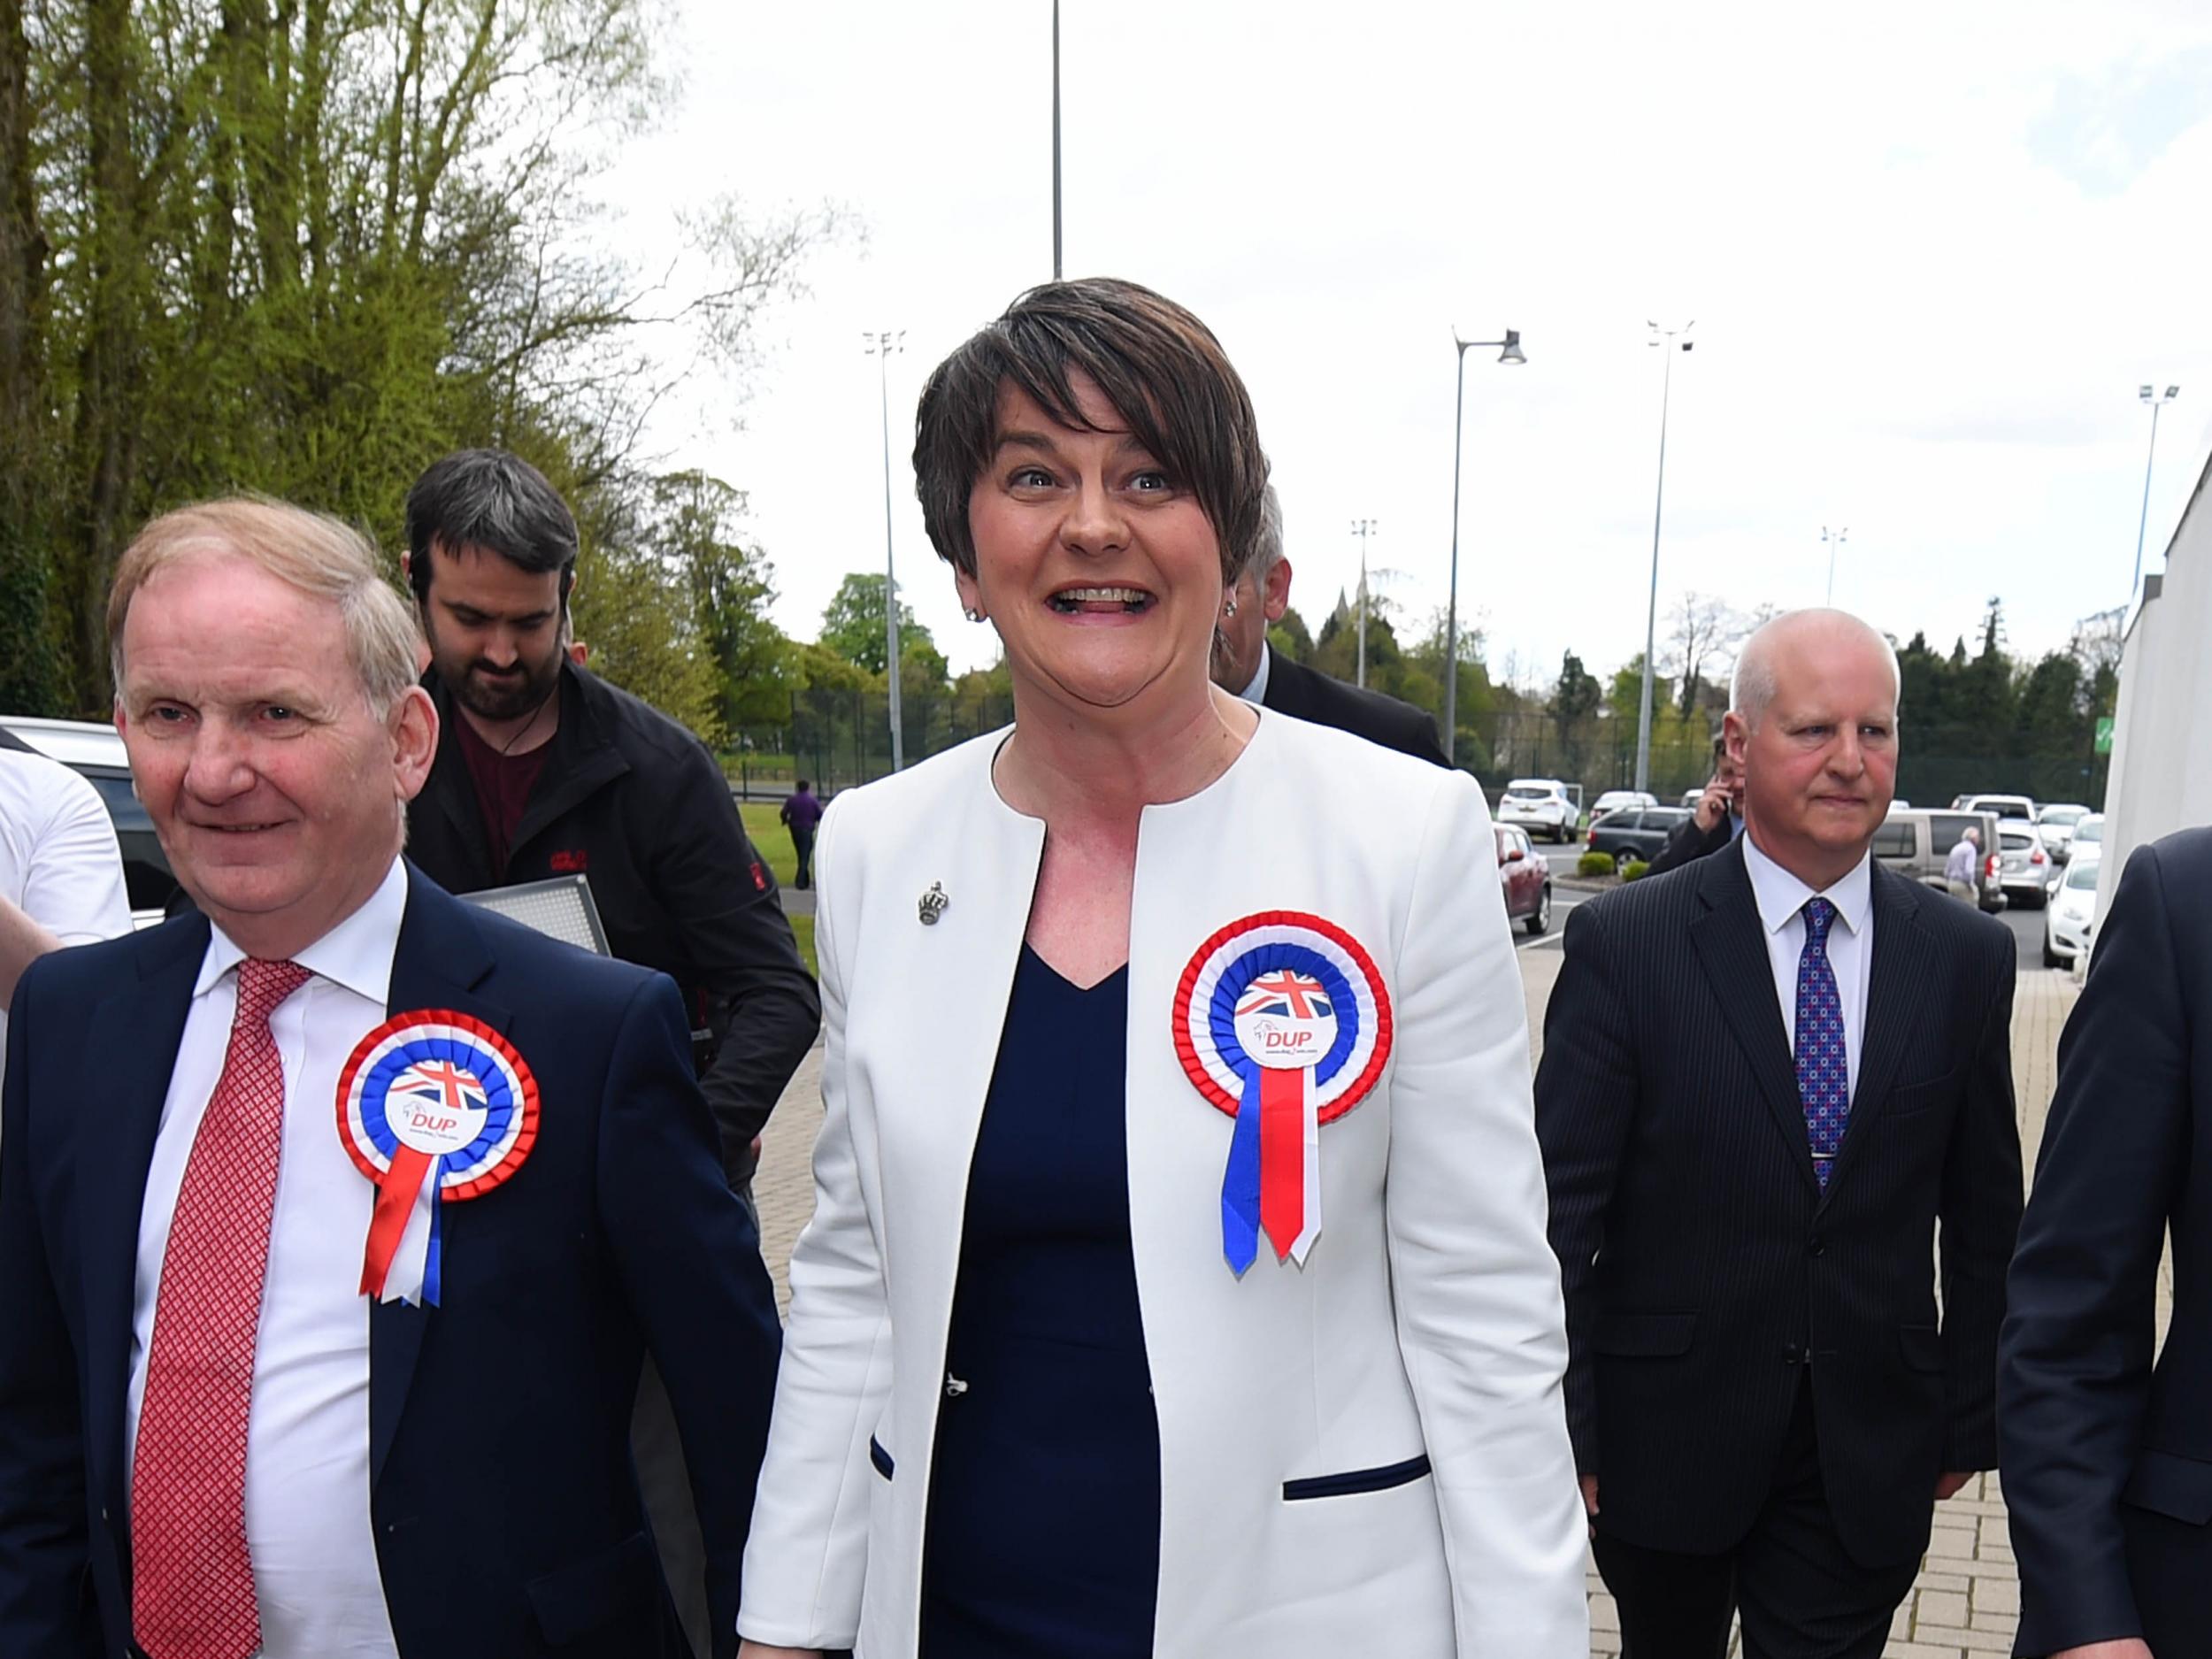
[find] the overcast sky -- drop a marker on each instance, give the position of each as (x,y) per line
(1931,252)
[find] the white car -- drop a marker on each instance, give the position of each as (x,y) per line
(1619,800)
(2086,842)
(2067,917)
(2056,824)
(1541,806)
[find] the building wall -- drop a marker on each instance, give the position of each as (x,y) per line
(2161,742)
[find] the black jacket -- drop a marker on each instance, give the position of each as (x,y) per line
(633,802)
(1308,695)
(1688,844)
(2107,1455)
(1704,1266)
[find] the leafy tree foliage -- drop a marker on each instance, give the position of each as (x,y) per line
(853,627)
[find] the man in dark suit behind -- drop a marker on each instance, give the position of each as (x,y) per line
(1716,822)
(231,1423)
(1246,665)
(2107,1457)
(1766,1079)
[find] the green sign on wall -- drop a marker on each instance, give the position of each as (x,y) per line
(2104,734)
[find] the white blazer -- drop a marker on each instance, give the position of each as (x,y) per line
(1426,1322)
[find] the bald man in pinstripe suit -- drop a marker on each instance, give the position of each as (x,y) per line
(1768,1078)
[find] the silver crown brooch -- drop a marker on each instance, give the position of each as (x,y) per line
(932,903)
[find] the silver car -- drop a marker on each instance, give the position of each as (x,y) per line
(2024,868)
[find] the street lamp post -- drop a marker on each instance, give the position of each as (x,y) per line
(1509,352)
(1665,339)
(881,345)
(2156,404)
(1835,541)
(1055,140)
(1363,528)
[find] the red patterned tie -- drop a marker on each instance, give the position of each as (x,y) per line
(193,1594)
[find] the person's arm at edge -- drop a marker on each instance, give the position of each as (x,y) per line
(808,1549)
(1980,1224)
(72,890)
(1485,1348)
(765,1004)
(2074,1364)
(45,1605)
(1587,1092)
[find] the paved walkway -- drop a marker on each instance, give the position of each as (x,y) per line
(1966,1601)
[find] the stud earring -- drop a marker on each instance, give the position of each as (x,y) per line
(972,614)
(1229,608)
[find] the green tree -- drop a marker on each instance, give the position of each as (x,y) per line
(695,529)
(1577,695)
(1290,637)
(853,625)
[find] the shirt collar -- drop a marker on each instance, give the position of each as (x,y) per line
(1256,692)
(357,954)
(1781,895)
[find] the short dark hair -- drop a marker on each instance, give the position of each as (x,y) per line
(1161,368)
(800,785)
(489,499)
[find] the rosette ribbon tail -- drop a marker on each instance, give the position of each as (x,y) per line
(400,1261)
(1240,1182)
(1283,1096)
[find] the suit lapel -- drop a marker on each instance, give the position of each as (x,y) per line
(1731,948)
(1896,989)
(441,959)
(111,1175)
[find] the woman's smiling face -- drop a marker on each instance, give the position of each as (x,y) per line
(1100,569)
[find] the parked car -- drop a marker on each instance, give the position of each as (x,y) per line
(1635,836)
(1541,806)
(2003,805)
(1615,800)
(1525,875)
(2072,908)
(2025,867)
(1690,797)
(2056,824)
(1916,843)
(97,752)
(2085,845)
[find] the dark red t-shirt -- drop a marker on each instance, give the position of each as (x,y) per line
(503,783)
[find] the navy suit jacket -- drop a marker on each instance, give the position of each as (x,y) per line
(2108,1457)
(505,1510)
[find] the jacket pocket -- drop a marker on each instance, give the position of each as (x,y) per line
(1356,1480)
(1917,1097)
(618,1585)
(881,1458)
(1923,1346)
(1644,1335)
(2171,1484)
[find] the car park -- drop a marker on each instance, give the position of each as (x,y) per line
(97,753)
(1617,800)
(2086,845)
(1524,875)
(2024,866)
(2071,912)
(1542,806)
(1916,843)
(1636,836)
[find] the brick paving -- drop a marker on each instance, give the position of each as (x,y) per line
(1966,1601)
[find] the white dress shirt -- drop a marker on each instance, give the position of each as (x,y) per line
(307,1441)
(60,862)
(1256,692)
(1781,897)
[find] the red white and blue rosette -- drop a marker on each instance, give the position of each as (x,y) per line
(435,1107)
(1283,1022)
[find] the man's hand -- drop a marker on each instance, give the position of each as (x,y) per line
(2128,1648)
(1712,806)
(1951,1483)
(1590,1501)
(756,1650)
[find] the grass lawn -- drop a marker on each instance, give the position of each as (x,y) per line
(770,839)
(803,929)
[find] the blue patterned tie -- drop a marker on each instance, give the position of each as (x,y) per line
(1824,1070)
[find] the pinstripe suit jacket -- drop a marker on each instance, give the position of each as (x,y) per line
(1705,1268)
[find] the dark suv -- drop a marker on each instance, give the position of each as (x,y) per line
(96,752)
(1636,836)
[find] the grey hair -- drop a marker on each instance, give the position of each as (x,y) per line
(318,555)
(1267,544)
(1753,688)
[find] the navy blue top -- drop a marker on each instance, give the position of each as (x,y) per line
(1044,1504)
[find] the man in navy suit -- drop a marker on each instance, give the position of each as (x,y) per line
(281,1372)
(2106,1454)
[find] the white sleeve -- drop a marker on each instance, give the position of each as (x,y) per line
(73,874)
(1480,1318)
(806,1557)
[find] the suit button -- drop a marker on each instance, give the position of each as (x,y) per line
(1815,1246)
(1792,1355)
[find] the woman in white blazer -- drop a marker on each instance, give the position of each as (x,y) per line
(1178,1281)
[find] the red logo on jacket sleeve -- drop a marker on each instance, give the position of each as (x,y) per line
(571,861)
(760,878)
